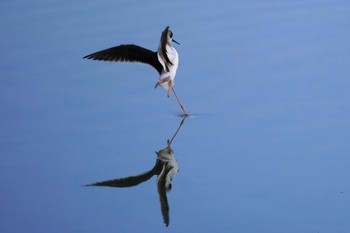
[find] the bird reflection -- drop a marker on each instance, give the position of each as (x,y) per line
(165,168)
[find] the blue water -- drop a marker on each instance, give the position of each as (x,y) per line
(265,150)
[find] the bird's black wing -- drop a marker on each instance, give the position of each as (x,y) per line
(131,180)
(128,53)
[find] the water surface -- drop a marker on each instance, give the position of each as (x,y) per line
(265,150)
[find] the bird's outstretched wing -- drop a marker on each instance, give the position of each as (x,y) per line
(131,180)
(128,53)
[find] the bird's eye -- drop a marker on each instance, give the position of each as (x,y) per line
(171,35)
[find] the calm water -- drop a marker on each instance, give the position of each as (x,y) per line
(265,150)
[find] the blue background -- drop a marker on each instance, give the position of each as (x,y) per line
(265,150)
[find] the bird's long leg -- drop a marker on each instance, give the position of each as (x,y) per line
(182,107)
(170,83)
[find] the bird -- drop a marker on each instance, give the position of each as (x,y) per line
(165,60)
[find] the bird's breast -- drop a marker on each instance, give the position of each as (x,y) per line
(169,60)
(169,68)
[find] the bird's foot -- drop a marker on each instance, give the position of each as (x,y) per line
(168,95)
(157,84)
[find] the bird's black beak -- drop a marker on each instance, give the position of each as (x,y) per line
(175,41)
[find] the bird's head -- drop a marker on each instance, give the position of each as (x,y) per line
(167,36)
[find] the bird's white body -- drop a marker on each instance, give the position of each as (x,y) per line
(166,78)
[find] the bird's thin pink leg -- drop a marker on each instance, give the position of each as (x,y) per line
(170,83)
(182,107)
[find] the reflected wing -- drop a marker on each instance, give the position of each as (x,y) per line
(128,53)
(131,180)
(163,200)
